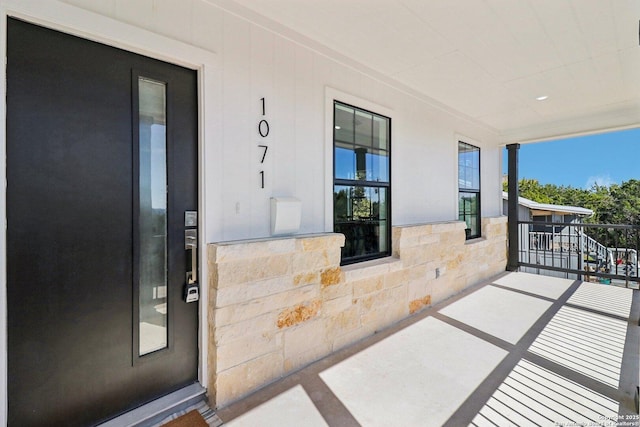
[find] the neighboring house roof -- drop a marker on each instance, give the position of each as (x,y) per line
(549,207)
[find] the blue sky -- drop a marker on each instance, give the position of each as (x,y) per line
(580,162)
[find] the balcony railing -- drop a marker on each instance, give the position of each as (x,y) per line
(604,253)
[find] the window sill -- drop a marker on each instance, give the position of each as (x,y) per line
(475,240)
(372,267)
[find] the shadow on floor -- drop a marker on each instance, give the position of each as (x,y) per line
(520,349)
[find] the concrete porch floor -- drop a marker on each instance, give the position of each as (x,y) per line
(521,349)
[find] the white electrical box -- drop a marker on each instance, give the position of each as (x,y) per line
(286,213)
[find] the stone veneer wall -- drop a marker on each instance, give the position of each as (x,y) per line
(279,304)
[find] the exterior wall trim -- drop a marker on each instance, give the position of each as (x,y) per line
(80,22)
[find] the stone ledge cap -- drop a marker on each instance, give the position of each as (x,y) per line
(422,224)
(273,238)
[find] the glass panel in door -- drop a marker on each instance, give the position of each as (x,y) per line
(153,216)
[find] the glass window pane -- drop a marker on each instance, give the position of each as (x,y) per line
(341,203)
(361,163)
(475,158)
(475,169)
(378,166)
(468,211)
(380,133)
(383,244)
(364,127)
(380,209)
(360,203)
(360,213)
(380,206)
(343,123)
(468,166)
(473,226)
(461,177)
(153,216)
(345,162)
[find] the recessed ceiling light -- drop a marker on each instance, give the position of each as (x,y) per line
(542,98)
(338,127)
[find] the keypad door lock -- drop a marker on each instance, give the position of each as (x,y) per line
(191,288)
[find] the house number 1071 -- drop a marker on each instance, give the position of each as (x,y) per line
(263,130)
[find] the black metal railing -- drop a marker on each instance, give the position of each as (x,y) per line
(605,253)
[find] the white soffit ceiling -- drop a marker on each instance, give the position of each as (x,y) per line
(490,59)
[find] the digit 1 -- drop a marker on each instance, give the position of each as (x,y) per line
(263,106)
(262,178)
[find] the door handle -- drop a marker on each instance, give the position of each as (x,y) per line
(191,288)
(191,246)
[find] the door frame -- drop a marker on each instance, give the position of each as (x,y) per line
(92,26)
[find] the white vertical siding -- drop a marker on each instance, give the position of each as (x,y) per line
(256,63)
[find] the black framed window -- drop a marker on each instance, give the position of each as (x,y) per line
(469,188)
(362,190)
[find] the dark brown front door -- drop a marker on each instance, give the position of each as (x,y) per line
(101,167)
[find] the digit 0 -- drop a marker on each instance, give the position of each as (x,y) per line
(263,128)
